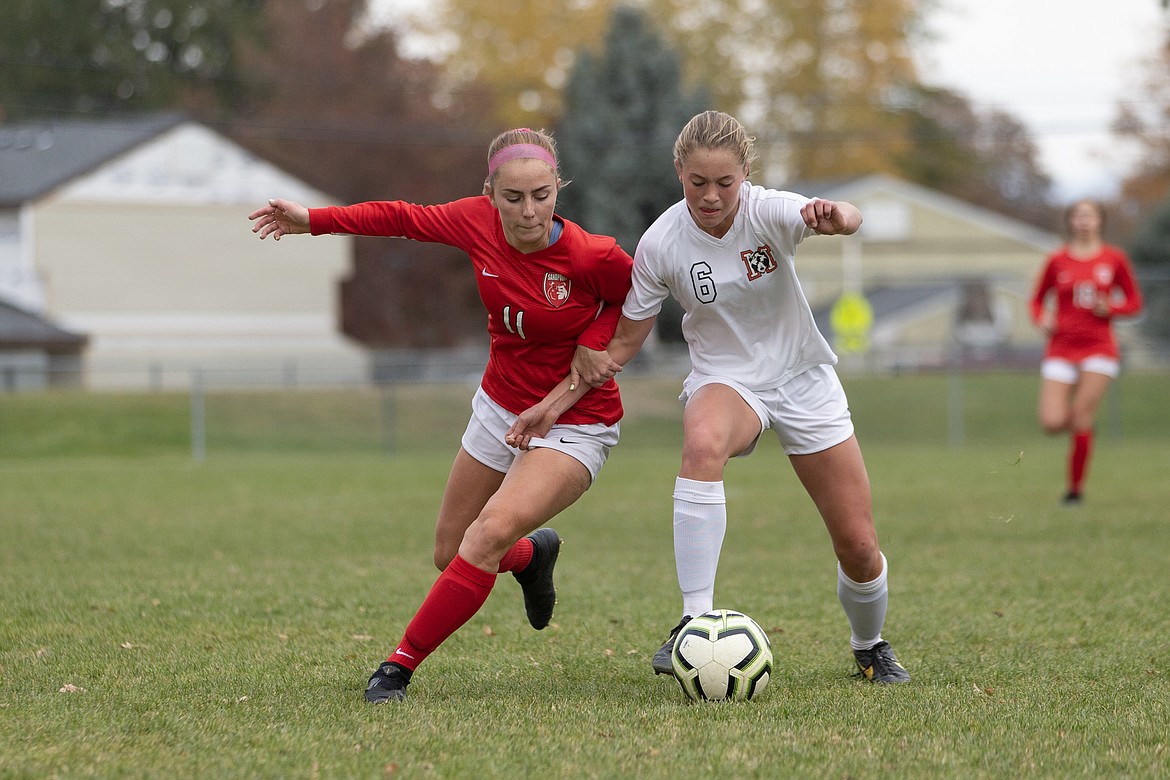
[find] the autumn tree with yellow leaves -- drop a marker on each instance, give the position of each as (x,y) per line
(814,78)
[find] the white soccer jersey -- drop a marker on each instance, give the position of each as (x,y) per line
(745,315)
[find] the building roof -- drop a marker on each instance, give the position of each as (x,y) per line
(38,156)
(20,329)
(985,219)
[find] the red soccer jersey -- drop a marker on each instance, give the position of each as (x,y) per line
(540,305)
(1077,285)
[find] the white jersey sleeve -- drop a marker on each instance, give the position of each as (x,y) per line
(650,284)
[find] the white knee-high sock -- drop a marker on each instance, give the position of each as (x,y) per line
(865,607)
(700,521)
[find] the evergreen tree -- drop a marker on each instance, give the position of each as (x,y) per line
(623,111)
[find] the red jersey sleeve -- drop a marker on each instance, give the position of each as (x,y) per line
(1044,284)
(1127,283)
(612,283)
(446,223)
(601,330)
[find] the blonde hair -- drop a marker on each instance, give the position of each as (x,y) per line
(716,130)
(523,135)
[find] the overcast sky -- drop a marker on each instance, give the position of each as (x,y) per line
(1060,66)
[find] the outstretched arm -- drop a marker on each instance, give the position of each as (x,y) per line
(280,218)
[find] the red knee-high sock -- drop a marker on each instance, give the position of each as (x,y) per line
(517,558)
(457,595)
(1078,461)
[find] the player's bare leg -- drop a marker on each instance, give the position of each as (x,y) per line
(1086,399)
(838,484)
(469,487)
(1090,392)
(541,483)
(1054,410)
(717,425)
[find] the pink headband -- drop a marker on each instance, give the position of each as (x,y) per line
(518,152)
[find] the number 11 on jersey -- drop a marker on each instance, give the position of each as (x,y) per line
(519,329)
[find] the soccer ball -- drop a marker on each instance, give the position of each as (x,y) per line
(721,655)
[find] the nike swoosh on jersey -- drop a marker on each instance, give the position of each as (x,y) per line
(568,441)
(489,275)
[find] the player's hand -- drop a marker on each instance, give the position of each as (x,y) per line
(828,217)
(534,422)
(593,367)
(280,218)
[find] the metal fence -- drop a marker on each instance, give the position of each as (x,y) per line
(425,405)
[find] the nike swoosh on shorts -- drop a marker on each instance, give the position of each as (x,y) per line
(539,442)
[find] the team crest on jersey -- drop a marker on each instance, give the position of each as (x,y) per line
(1103,273)
(556,289)
(759,261)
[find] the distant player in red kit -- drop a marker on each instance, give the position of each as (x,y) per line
(552,291)
(1084,285)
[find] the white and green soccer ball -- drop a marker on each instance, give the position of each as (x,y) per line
(722,655)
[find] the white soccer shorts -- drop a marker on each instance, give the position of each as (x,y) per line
(484,438)
(809,412)
(1068,373)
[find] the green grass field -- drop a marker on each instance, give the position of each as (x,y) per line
(162,617)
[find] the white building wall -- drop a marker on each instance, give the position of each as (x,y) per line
(153,257)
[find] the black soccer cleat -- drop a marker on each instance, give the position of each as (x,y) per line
(540,595)
(1071,498)
(661,661)
(388,683)
(878,664)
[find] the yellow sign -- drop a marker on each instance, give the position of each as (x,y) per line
(851,318)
